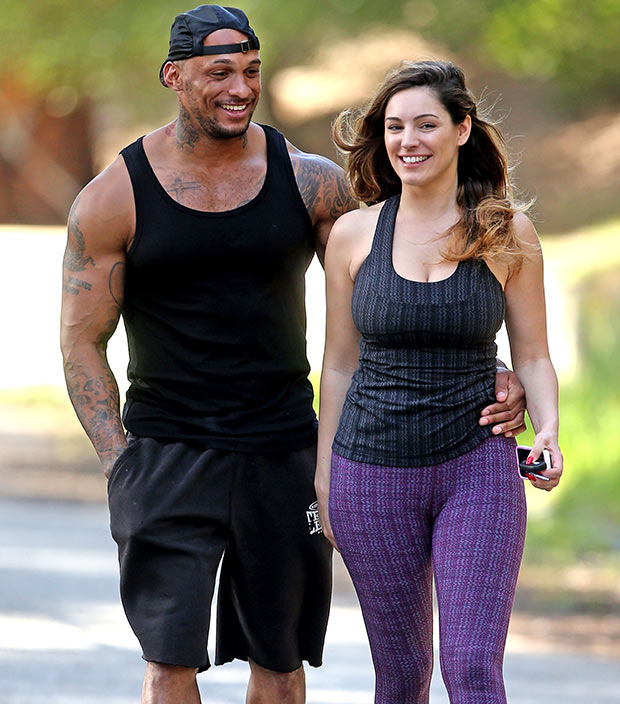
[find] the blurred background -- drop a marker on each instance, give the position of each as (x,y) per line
(79,82)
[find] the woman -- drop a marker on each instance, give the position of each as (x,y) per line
(409,484)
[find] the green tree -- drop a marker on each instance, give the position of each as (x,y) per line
(575,43)
(111,49)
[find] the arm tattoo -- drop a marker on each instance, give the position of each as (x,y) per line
(116,283)
(96,402)
(70,289)
(94,394)
(186,133)
(73,285)
(308,177)
(75,254)
(337,197)
(323,188)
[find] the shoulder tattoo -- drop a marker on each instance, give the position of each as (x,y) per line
(336,194)
(75,254)
(323,187)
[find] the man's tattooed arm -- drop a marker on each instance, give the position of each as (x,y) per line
(92,304)
(75,254)
(323,188)
(94,394)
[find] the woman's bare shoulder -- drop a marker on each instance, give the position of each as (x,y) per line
(357,223)
(524,228)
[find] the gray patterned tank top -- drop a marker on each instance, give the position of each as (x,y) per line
(427,360)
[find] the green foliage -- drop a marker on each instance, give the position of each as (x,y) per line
(111,49)
(584,521)
(573,42)
(105,49)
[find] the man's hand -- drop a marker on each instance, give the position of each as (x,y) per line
(108,462)
(507,415)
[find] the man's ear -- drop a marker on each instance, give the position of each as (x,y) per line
(172,76)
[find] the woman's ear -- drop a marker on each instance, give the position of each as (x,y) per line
(464,130)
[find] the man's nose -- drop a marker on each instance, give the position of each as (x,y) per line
(239,87)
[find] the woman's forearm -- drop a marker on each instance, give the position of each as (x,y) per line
(334,386)
(540,382)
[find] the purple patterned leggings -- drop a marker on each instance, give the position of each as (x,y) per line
(464,521)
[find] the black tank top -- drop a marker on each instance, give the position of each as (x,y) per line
(215,314)
(427,360)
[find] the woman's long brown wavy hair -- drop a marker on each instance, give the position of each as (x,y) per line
(484,191)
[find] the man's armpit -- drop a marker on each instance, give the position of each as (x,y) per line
(116,283)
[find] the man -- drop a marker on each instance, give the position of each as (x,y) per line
(200,234)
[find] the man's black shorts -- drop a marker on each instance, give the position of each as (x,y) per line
(175,510)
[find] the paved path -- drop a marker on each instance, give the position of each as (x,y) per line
(64,640)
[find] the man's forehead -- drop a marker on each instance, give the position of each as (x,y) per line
(224,36)
(231,59)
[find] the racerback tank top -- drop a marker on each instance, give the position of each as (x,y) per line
(215,314)
(427,359)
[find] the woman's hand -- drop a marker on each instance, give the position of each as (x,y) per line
(322,494)
(547,441)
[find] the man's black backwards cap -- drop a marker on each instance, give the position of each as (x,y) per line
(190,28)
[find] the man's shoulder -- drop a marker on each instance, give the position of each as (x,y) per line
(315,164)
(322,184)
(104,208)
(109,191)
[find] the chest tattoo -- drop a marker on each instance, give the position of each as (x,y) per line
(178,187)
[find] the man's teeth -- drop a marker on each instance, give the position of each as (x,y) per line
(414,159)
(235,108)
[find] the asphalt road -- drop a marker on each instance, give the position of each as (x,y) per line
(64,639)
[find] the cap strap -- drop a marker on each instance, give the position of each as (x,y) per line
(242,47)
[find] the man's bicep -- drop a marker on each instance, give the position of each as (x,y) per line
(336,197)
(93,274)
(99,229)
(336,200)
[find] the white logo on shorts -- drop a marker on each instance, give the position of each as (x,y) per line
(314,521)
